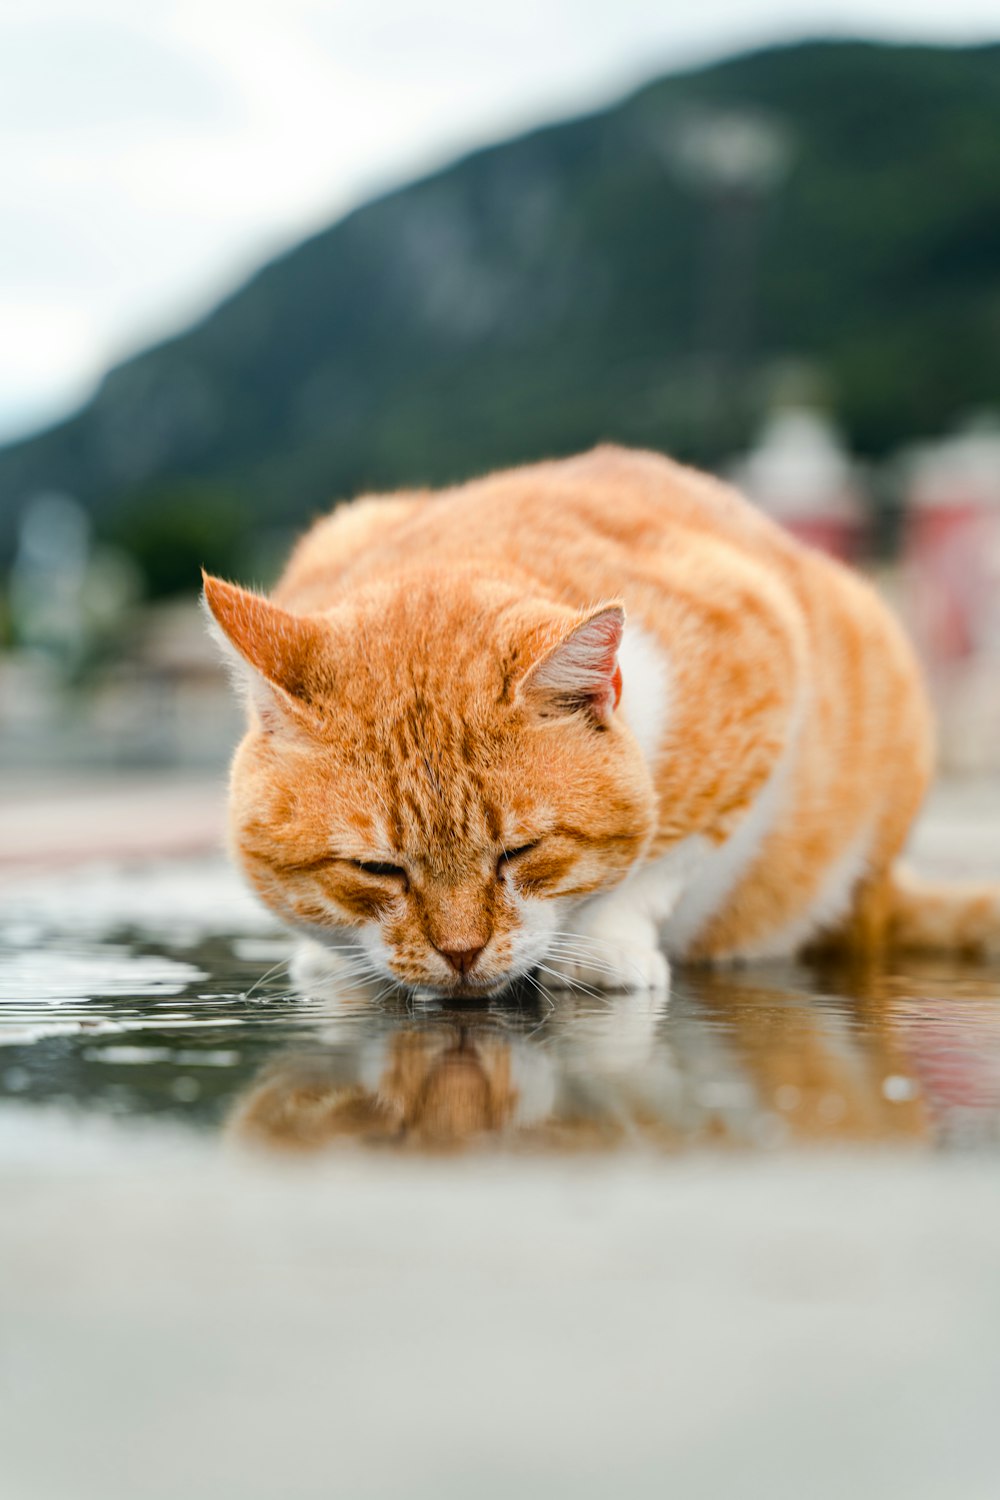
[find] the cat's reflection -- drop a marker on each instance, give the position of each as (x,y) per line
(565,1071)
(828,1066)
(733,1059)
(434,1088)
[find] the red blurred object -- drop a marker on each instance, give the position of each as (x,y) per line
(952,546)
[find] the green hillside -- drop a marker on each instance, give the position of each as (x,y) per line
(653,274)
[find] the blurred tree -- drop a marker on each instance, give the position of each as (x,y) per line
(174,530)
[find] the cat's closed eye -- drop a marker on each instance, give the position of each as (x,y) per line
(509,856)
(378,868)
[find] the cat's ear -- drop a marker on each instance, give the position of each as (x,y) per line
(581,670)
(277,656)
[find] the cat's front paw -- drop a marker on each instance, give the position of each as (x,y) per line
(616,966)
(609,946)
(315,968)
(609,965)
(310,964)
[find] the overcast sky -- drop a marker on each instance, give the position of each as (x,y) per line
(152,154)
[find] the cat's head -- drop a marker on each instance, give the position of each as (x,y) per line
(434,772)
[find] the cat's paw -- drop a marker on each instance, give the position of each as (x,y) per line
(612,966)
(315,968)
(309,964)
(610,946)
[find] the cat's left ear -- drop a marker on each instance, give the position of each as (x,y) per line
(581,670)
(279,658)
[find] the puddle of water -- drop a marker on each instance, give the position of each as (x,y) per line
(162,993)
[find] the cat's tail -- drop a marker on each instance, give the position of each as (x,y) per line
(925,916)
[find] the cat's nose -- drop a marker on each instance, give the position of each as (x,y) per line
(461,959)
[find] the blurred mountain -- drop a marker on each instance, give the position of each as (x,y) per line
(826,213)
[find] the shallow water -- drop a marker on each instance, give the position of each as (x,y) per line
(162,992)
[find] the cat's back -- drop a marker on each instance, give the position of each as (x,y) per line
(574,523)
(609,497)
(626,495)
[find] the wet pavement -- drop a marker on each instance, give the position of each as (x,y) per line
(559,1244)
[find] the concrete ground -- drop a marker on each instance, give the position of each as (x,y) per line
(47,822)
(176,1325)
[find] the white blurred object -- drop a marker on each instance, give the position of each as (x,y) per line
(802,475)
(960,471)
(729,150)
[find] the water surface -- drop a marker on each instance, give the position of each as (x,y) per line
(163,992)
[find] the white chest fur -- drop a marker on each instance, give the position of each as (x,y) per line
(716,869)
(683,889)
(645,690)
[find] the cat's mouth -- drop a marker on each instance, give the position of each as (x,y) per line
(469,988)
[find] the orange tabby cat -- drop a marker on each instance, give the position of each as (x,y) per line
(578,716)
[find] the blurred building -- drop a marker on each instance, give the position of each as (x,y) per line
(166,700)
(160,699)
(951,586)
(801,474)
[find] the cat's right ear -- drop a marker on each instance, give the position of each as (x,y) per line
(279,660)
(580,670)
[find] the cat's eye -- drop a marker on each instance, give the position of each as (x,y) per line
(508,856)
(377,867)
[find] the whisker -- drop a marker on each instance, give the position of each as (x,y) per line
(613,971)
(572,951)
(383,993)
(263,978)
(549,1002)
(581,940)
(343,977)
(346,967)
(572,982)
(537,984)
